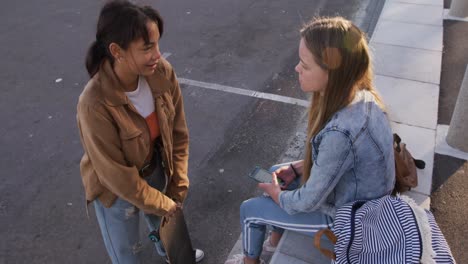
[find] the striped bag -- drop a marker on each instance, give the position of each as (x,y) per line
(392,229)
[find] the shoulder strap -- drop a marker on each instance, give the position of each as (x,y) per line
(318,236)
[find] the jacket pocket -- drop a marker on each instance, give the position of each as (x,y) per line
(133,147)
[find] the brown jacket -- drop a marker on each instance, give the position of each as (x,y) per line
(116,140)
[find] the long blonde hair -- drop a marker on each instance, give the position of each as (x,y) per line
(340,48)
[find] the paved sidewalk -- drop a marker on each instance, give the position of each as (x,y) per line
(407,47)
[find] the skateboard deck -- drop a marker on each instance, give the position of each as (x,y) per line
(176,239)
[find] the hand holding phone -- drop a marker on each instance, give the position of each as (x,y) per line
(265,179)
(263,176)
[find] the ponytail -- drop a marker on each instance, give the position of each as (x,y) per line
(96,54)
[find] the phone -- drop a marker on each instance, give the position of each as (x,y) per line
(262,175)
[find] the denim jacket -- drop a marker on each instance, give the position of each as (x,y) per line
(352,160)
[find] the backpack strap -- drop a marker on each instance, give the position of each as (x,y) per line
(318,236)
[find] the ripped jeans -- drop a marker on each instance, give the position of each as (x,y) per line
(120,223)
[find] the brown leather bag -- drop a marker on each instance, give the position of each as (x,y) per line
(405,167)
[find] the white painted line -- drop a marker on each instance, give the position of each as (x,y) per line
(445,149)
(234,90)
(166,55)
(449,17)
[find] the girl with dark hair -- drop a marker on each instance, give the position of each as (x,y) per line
(132,127)
(349,147)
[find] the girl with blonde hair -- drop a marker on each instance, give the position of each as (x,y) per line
(349,151)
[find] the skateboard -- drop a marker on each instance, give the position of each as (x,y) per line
(176,239)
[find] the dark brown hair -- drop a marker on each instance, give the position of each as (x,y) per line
(120,22)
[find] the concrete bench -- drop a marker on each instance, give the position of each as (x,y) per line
(296,248)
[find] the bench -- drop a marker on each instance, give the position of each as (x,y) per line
(296,248)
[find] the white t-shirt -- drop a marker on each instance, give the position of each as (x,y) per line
(142,100)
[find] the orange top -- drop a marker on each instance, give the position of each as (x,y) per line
(153,125)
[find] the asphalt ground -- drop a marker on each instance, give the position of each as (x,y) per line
(245,44)
(449,199)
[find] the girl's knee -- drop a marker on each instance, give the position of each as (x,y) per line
(244,207)
(249,206)
(255,206)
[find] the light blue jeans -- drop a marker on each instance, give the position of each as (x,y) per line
(258,213)
(119,225)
